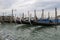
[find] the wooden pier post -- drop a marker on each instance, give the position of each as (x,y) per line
(56,15)
(3,18)
(21,19)
(22,16)
(11,18)
(29,18)
(42,16)
(48,15)
(15,19)
(35,15)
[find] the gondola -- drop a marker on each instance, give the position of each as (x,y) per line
(25,21)
(45,22)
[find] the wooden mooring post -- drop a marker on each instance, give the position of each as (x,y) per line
(48,15)
(21,19)
(56,16)
(11,18)
(3,18)
(15,19)
(42,16)
(35,15)
(29,18)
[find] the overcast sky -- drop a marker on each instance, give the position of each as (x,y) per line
(22,5)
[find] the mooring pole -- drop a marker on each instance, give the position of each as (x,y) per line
(48,15)
(12,15)
(23,16)
(11,18)
(3,18)
(35,15)
(20,19)
(15,19)
(29,17)
(56,19)
(56,16)
(42,16)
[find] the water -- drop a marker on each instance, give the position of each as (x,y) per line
(28,32)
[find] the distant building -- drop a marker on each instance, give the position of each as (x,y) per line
(58,16)
(6,18)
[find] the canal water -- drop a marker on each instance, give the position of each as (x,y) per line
(28,32)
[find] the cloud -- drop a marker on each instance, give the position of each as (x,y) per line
(5,4)
(25,5)
(30,4)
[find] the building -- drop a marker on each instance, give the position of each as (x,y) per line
(6,19)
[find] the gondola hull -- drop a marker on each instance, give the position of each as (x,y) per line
(25,22)
(45,23)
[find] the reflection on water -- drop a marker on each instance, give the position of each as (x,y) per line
(28,32)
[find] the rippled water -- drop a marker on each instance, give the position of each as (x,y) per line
(28,32)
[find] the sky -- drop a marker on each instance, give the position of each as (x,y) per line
(20,6)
